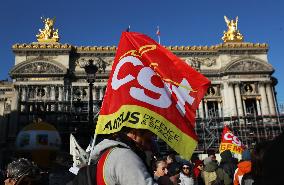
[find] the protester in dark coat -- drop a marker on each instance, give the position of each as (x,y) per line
(173,164)
(228,164)
(197,169)
(257,155)
(267,167)
(2,177)
(174,175)
(86,175)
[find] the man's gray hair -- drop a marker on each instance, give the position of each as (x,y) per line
(22,167)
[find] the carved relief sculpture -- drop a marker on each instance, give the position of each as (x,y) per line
(99,62)
(247,66)
(196,62)
(48,34)
(39,68)
(232,34)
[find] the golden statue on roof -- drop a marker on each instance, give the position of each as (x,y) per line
(232,34)
(48,34)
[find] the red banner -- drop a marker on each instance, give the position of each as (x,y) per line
(230,142)
(151,88)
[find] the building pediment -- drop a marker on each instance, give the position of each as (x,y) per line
(248,65)
(38,67)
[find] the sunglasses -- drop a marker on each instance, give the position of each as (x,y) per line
(185,168)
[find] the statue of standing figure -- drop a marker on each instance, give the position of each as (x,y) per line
(232,34)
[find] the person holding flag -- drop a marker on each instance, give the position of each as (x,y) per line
(143,99)
(229,144)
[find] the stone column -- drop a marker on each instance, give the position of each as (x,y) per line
(239,100)
(264,105)
(24,94)
(258,105)
(200,109)
(232,100)
(206,109)
(95,92)
(52,93)
(244,105)
(220,108)
(28,93)
(226,102)
(60,93)
(60,98)
(271,103)
(36,89)
(101,92)
(13,121)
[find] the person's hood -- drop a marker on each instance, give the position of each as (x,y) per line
(244,166)
(103,145)
(211,166)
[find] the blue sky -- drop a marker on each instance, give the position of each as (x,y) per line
(182,22)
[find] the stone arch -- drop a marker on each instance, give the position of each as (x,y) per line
(248,65)
(38,67)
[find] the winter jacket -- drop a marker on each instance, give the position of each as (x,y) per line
(122,166)
(211,172)
(228,165)
(164,180)
(247,179)
(185,180)
(198,180)
(243,168)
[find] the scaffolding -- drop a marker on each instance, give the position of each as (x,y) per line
(250,129)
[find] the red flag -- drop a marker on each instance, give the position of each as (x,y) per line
(230,142)
(151,88)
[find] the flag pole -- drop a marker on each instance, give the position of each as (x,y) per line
(158,34)
(94,142)
(128,29)
(92,147)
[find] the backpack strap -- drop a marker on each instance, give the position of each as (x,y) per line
(100,167)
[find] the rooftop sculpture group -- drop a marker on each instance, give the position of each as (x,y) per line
(232,34)
(48,34)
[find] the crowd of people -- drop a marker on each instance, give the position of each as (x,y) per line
(121,160)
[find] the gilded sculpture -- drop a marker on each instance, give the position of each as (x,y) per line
(232,34)
(48,34)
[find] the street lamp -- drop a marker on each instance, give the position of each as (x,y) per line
(91,70)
